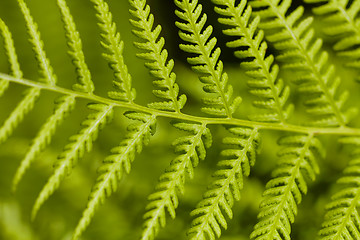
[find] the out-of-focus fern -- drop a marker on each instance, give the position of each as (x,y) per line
(284,192)
(293,36)
(191,148)
(342,220)
(116,164)
(75,149)
(343,22)
(297,50)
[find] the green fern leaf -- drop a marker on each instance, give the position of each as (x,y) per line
(75,150)
(284,192)
(45,69)
(227,185)
(342,21)
(11,56)
(118,163)
(260,68)
(294,38)
(165,198)
(156,58)
(114,46)
(342,220)
(76,53)
(24,106)
(63,106)
(206,62)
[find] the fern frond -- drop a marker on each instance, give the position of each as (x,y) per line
(225,189)
(27,103)
(273,93)
(206,62)
(63,106)
(45,69)
(17,115)
(342,220)
(191,148)
(76,52)
(156,58)
(114,46)
(294,37)
(117,164)
(343,22)
(284,192)
(75,150)
(11,56)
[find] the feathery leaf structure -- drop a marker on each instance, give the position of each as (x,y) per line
(191,150)
(273,93)
(206,61)
(302,53)
(23,107)
(156,58)
(75,150)
(63,104)
(342,220)
(45,69)
(114,46)
(284,192)
(210,214)
(30,95)
(297,166)
(343,22)
(11,56)
(117,164)
(74,43)
(63,107)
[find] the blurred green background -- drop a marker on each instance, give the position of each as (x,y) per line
(121,216)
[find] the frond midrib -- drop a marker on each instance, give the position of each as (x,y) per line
(342,131)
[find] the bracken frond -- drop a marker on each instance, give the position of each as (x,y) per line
(225,189)
(17,115)
(284,192)
(206,62)
(156,58)
(45,69)
(294,44)
(117,164)
(191,148)
(11,56)
(294,37)
(114,46)
(343,22)
(342,220)
(76,53)
(75,150)
(273,93)
(63,107)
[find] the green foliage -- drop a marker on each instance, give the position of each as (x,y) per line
(216,135)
